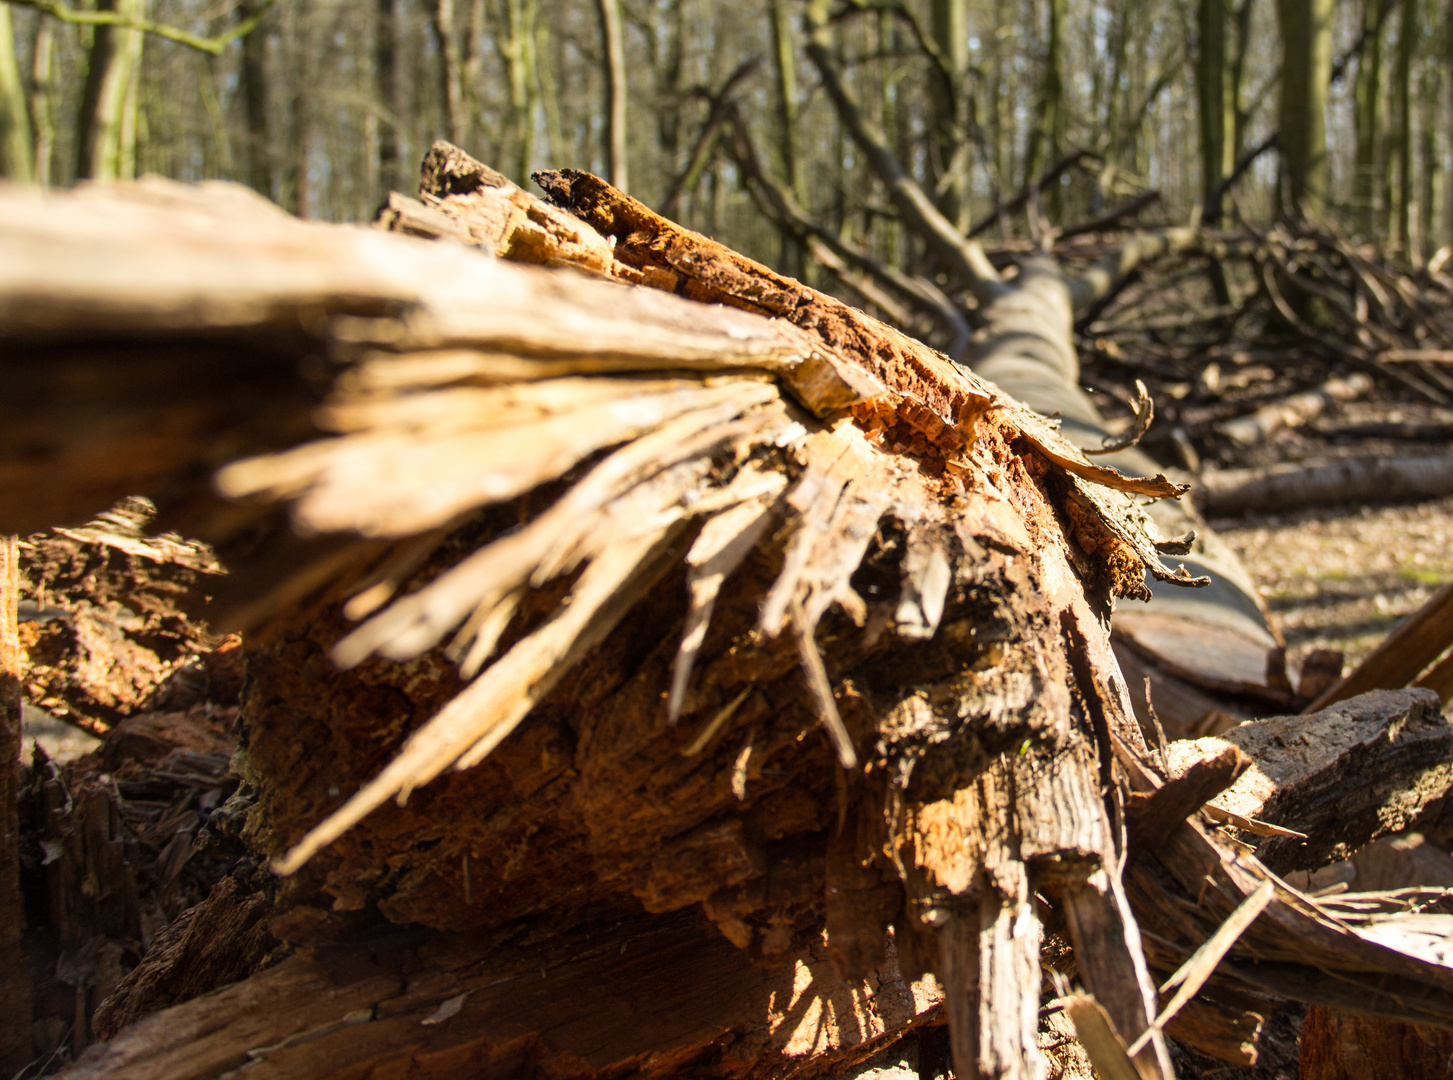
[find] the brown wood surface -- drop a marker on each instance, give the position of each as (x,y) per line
(15,1048)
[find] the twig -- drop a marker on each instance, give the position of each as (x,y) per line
(718,115)
(1144,409)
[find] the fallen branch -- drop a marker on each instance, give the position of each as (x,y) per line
(1346,481)
(1294,411)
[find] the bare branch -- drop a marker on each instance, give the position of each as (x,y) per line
(214,46)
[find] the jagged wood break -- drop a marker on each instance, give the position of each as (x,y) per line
(616,508)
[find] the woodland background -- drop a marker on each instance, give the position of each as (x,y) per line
(327,104)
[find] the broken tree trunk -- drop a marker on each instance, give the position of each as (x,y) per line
(547,710)
(914,531)
(15,1052)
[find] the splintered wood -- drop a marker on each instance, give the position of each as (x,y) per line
(569,597)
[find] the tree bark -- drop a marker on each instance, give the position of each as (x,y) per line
(261,167)
(110,72)
(1306,27)
(15,1045)
(613,72)
(16,161)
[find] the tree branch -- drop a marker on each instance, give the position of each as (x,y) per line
(214,46)
(962,255)
(777,203)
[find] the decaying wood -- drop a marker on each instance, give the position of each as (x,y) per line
(1365,767)
(1344,1046)
(1341,482)
(15,1051)
(597,672)
(586,1003)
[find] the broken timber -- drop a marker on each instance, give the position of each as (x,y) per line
(740,524)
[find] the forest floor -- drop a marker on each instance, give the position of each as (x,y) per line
(1343,578)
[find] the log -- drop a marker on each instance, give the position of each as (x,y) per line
(1347,481)
(15,1043)
(585,1003)
(785,626)
(573,573)
(1293,411)
(1366,767)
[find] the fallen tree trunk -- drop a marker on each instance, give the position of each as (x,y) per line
(1347,481)
(729,530)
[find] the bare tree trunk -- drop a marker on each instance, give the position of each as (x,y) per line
(1213,100)
(129,128)
(109,73)
(614,73)
(784,56)
(1430,90)
(15,1051)
(386,90)
(451,88)
(261,171)
(1306,27)
(1367,97)
(951,32)
(1402,89)
(300,140)
(41,99)
(15,150)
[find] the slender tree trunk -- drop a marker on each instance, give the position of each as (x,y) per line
(1430,90)
(260,167)
(469,68)
(451,87)
(1240,116)
(1212,99)
(1367,96)
(15,149)
(129,130)
(614,74)
(951,32)
(517,50)
(301,133)
(1048,136)
(1306,29)
(109,72)
(784,56)
(1403,100)
(548,65)
(386,90)
(1445,52)
(15,1045)
(42,97)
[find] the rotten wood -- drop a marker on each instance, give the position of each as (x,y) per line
(1343,776)
(1151,816)
(15,1035)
